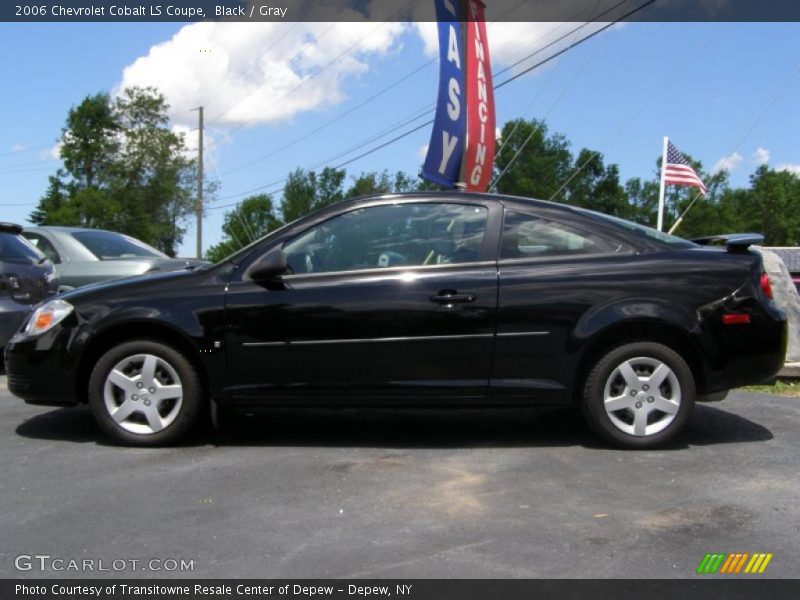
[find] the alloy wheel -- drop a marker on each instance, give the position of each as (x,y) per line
(642,396)
(143,394)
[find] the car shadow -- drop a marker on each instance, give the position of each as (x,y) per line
(405,428)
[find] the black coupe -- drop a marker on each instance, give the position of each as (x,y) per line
(420,300)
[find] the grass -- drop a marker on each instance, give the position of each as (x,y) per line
(780,387)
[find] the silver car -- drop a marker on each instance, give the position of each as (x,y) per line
(83,256)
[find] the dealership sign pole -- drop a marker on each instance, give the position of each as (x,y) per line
(461,149)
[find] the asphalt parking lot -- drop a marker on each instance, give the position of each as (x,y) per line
(404,494)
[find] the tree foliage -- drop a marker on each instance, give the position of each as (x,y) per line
(303,193)
(253,218)
(124,170)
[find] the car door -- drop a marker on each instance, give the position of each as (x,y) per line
(393,300)
(551,272)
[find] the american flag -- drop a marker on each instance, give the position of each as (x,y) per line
(679,172)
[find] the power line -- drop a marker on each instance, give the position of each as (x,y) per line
(318,71)
(330,122)
(24,150)
(417,128)
(668,81)
(428,107)
(749,130)
(538,125)
(568,48)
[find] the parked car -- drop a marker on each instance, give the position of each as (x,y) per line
(417,300)
(83,256)
(26,278)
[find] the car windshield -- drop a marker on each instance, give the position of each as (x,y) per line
(14,249)
(643,230)
(107,245)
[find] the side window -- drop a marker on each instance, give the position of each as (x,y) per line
(390,236)
(44,245)
(528,236)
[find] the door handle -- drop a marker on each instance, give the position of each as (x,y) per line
(452,297)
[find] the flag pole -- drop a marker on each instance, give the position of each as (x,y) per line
(660,221)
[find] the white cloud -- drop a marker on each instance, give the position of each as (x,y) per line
(422,152)
(512,41)
(246,72)
(791,168)
(728,163)
(19,147)
(53,153)
(761,156)
(213,139)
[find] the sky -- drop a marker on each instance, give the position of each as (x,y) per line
(284,95)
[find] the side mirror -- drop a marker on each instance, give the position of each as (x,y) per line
(269,266)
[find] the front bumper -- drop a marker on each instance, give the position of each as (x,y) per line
(40,370)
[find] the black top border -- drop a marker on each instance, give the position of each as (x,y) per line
(56,11)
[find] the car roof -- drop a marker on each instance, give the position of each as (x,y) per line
(67,229)
(10,228)
(455,194)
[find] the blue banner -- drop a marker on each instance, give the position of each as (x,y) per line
(446,148)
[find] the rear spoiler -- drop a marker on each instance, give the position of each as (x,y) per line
(735,242)
(10,228)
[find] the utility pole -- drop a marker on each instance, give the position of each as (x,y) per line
(200,183)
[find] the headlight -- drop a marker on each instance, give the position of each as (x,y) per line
(47,316)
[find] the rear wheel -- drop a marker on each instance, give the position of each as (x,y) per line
(639,395)
(145,393)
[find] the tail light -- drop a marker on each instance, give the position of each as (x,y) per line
(736,319)
(766,286)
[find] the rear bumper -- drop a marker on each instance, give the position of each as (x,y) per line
(747,355)
(40,370)
(11,317)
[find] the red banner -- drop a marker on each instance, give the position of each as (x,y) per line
(478,159)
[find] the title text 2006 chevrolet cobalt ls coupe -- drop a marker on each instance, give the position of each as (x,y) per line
(417,300)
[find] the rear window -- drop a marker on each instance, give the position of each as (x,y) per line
(642,230)
(529,236)
(106,245)
(15,249)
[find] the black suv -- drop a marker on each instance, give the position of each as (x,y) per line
(26,278)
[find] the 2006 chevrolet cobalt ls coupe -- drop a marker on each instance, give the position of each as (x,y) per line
(420,300)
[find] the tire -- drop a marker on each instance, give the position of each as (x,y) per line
(158,410)
(619,402)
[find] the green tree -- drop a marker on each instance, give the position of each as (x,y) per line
(124,170)
(383,182)
(89,140)
(305,191)
(595,186)
(771,206)
(541,162)
(251,219)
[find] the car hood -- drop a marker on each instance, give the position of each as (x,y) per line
(175,264)
(134,284)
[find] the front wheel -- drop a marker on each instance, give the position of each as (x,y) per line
(639,395)
(145,393)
